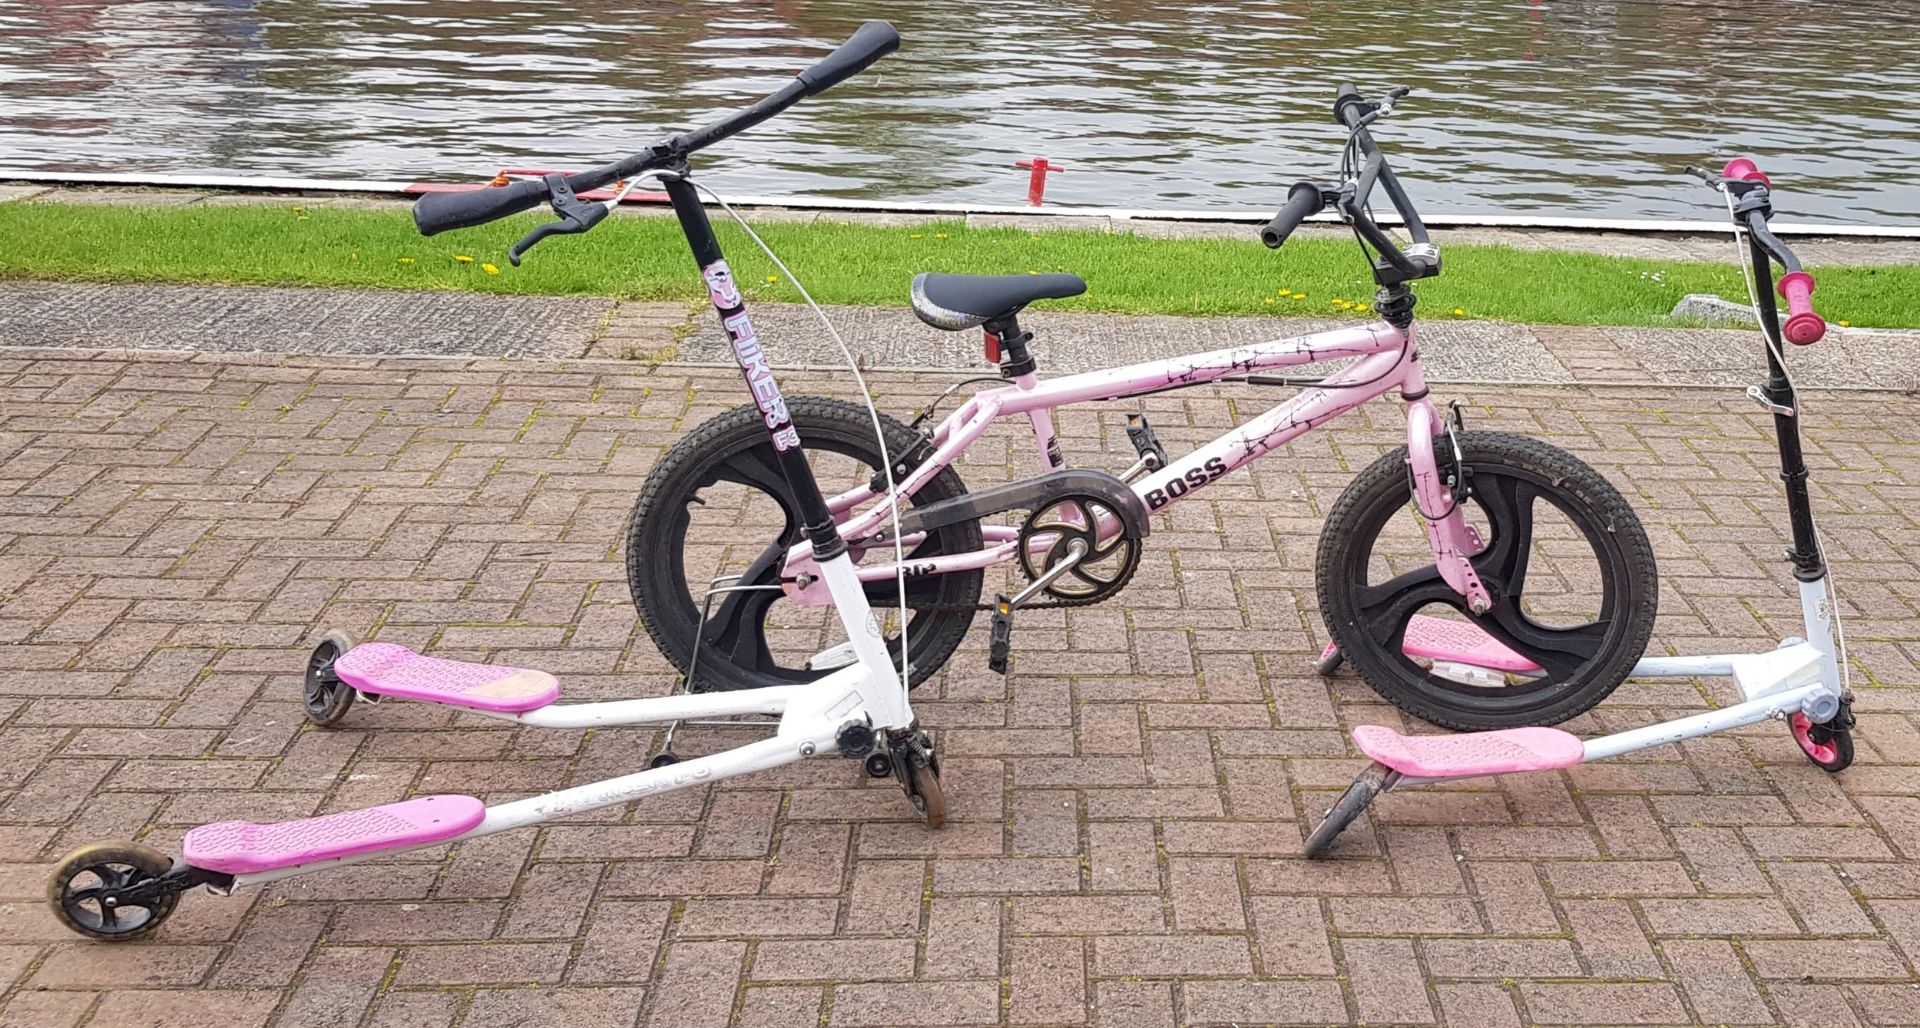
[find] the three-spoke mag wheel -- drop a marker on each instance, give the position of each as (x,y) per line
(1564,558)
(718,504)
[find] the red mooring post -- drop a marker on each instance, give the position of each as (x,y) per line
(1037,182)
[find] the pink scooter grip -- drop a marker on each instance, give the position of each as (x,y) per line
(1744,168)
(1803,325)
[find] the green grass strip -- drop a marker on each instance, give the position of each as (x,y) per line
(645,258)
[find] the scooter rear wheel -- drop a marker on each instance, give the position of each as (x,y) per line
(74,890)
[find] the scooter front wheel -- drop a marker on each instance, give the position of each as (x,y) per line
(1351,804)
(1829,746)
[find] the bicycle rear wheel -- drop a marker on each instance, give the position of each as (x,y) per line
(717,504)
(1565,559)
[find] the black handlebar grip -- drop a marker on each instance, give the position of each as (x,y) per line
(872,41)
(1303,199)
(438,212)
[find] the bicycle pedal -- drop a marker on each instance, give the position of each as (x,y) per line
(1145,443)
(1000,640)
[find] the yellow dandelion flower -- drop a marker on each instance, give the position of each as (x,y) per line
(1459,312)
(1269,301)
(773,278)
(918,235)
(302,218)
(489,269)
(297,208)
(1845,324)
(463,258)
(1284,293)
(939,235)
(406,260)
(1299,296)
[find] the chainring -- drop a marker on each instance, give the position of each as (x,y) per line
(1071,521)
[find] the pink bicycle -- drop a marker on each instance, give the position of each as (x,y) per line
(1489,536)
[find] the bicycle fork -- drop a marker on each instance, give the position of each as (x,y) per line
(1438,496)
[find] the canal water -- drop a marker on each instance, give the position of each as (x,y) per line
(1584,108)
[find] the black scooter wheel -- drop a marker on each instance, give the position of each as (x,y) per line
(325,698)
(75,891)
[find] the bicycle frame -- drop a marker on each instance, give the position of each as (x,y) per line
(1388,360)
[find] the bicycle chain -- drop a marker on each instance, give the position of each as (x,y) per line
(955,608)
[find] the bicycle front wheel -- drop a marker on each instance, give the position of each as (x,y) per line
(1564,558)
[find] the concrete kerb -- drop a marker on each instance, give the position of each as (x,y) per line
(297,359)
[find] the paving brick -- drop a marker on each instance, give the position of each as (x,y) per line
(1160,956)
(916,1003)
(697,984)
(73,966)
(575,1008)
(136,1008)
(1826,959)
(1387,982)
(1623,1003)
(1049,983)
(1716,981)
(1250,1002)
(845,960)
(46,1009)
(467,964)
(1133,1005)
(337,988)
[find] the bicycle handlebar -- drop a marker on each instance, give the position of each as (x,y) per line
(1395,265)
(439,212)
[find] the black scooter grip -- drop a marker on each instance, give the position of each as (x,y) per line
(438,212)
(869,43)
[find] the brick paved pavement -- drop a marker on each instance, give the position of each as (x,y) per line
(1128,805)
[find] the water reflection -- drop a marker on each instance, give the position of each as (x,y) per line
(1521,105)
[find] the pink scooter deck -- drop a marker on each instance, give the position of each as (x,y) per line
(390,670)
(1471,753)
(242,847)
(1439,639)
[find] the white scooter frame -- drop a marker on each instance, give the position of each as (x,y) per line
(860,711)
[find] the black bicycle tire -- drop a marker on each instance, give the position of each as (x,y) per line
(1381,489)
(653,572)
